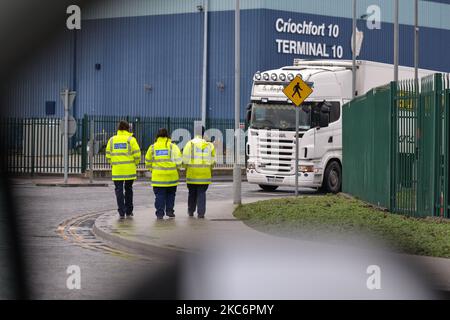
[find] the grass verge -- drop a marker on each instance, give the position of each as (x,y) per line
(311,217)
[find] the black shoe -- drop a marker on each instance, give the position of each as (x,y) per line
(122,217)
(170,215)
(160,218)
(201,217)
(130,214)
(190,214)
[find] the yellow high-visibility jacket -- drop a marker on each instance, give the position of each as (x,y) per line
(123,153)
(163,159)
(199,159)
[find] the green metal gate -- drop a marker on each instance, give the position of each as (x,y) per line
(416,163)
(35,145)
(420,146)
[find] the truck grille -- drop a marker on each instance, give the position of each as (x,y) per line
(275,155)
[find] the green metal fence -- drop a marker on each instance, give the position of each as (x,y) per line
(396,146)
(35,145)
(366,137)
(145,130)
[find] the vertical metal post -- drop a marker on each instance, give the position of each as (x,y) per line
(66,135)
(91,150)
(205,62)
(416,81)
(438,144)
(33,146)
(396,39)
(84,143)
(237,132)
(354,50)
(416,41)
(446,110)
(394,145)
(297,120)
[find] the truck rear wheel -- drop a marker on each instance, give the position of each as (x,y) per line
(332,180)
(266,187)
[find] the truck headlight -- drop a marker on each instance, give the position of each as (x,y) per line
(258,76)
(290,76)
(302,168)
(273,77)
(251,165)
(282,77)
(266,76)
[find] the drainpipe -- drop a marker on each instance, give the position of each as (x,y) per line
(416,42)
(205,61)
(396,40)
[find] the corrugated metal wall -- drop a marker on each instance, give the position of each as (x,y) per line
(150,64)
(39,79)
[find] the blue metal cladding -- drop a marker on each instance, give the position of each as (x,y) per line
(149,66)
(39,79)
(152,65)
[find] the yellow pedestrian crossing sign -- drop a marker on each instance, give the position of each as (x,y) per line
(297,91)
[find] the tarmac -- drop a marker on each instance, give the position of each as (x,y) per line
(144,233)
(81,181)
(250,258)
(220,231)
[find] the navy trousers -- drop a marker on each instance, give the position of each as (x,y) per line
(124,200)
(164,200)
(197,198)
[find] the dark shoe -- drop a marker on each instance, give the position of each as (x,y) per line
(201,217)
(190,214)
(170,215)
(122,217)
(160,218)
(130,214)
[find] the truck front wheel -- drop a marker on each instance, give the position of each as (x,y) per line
(268,188)
(332,180)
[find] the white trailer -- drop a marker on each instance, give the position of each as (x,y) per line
(270,149)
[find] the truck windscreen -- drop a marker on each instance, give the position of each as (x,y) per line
(279,116)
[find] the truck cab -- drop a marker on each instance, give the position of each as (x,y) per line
(270,149)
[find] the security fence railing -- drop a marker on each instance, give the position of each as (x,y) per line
(396,146)
(35,145)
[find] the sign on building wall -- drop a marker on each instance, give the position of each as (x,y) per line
(322,33)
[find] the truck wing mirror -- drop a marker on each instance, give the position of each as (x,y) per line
(324,119)
(249,113)
(325,107)
(324,114)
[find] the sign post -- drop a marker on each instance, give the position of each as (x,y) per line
(297,91)
(67,98)
(297,120)
(237,175)
(91,150)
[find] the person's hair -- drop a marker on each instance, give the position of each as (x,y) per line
(123,125)
(162,133)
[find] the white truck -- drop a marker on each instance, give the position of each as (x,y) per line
(270,147)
